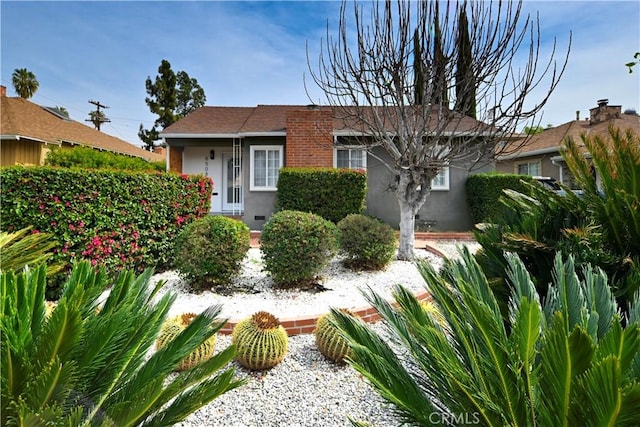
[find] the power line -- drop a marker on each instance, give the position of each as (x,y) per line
(97,117)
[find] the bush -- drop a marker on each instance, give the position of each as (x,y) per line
(296,246)
(113,218)
(89,158)
(484,190)
(600,227)
(82,366)
(210,250)
(331,193)
(565,359)
(366,243)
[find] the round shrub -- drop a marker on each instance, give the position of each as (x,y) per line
(366,243)
(210,250)
(296,246)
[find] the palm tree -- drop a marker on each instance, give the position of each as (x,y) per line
(565,361)
(86,364)
(24,82)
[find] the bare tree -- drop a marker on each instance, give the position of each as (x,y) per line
(371,78)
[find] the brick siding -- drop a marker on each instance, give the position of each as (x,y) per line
(309,137)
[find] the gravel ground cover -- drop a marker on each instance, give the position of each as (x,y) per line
(305,389)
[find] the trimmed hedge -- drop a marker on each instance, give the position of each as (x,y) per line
(484,190)
(117,219)
(89,158)
(331,193)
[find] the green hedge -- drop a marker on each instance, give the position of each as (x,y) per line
(331,193)
(116,219)
(89,158)
(484,190)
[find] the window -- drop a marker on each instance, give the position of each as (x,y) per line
(350,158)
(441,181)
(266,161)
(529,168)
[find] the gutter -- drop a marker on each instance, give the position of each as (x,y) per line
(547,150)
(30,138)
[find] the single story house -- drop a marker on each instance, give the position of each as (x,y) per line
(243,148)
(541,155)
(28,131)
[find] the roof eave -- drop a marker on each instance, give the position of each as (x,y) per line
(537,152)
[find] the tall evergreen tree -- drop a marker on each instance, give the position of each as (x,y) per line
(465,78)
(439,84)
(171,96)
(24,83)
(418,69)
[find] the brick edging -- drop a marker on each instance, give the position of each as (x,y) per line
(307,324)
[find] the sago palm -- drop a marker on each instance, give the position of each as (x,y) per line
(88,364)
(24,82)
(565,362)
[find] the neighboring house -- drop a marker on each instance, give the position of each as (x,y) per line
(28,131)
(541,156)
(243,148)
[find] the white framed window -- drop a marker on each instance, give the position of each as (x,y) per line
(266,161)
(349,158)
(528,168)
(441,181)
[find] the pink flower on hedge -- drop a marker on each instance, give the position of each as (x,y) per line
(179,220)
(71,227)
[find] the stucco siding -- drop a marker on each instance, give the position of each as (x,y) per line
(444,210)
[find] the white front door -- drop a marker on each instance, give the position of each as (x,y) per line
(231,183)
(218,164)
(205,161)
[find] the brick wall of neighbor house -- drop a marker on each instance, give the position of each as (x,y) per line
(175,159)
(309,137)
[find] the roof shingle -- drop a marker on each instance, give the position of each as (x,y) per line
(24,119)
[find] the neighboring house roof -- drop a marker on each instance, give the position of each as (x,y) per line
(550,140)
(261,120)
(22,119)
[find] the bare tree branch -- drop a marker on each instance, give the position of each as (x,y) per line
(397,78)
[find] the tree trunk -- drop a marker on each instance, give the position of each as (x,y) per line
(407,222)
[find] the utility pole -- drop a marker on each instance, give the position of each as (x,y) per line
(97,117)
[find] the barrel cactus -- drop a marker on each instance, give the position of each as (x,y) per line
(433,312)
(328,339)
(261,341)
(172,327)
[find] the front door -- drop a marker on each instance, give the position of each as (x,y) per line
(232,183)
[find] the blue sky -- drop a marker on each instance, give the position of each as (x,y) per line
(249,53)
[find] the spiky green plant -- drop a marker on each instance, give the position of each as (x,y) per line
(85,367)
(261,340)
(602,227)
(23,247)
(565,362)
(328,339)
(172,328)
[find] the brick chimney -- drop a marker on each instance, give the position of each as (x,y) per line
(3,90)
(604,112)
(309,137)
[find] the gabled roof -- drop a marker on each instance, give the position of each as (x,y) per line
(550,140)
(22,119)
(212,122)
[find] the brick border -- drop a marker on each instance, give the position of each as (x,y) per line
(307,324)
